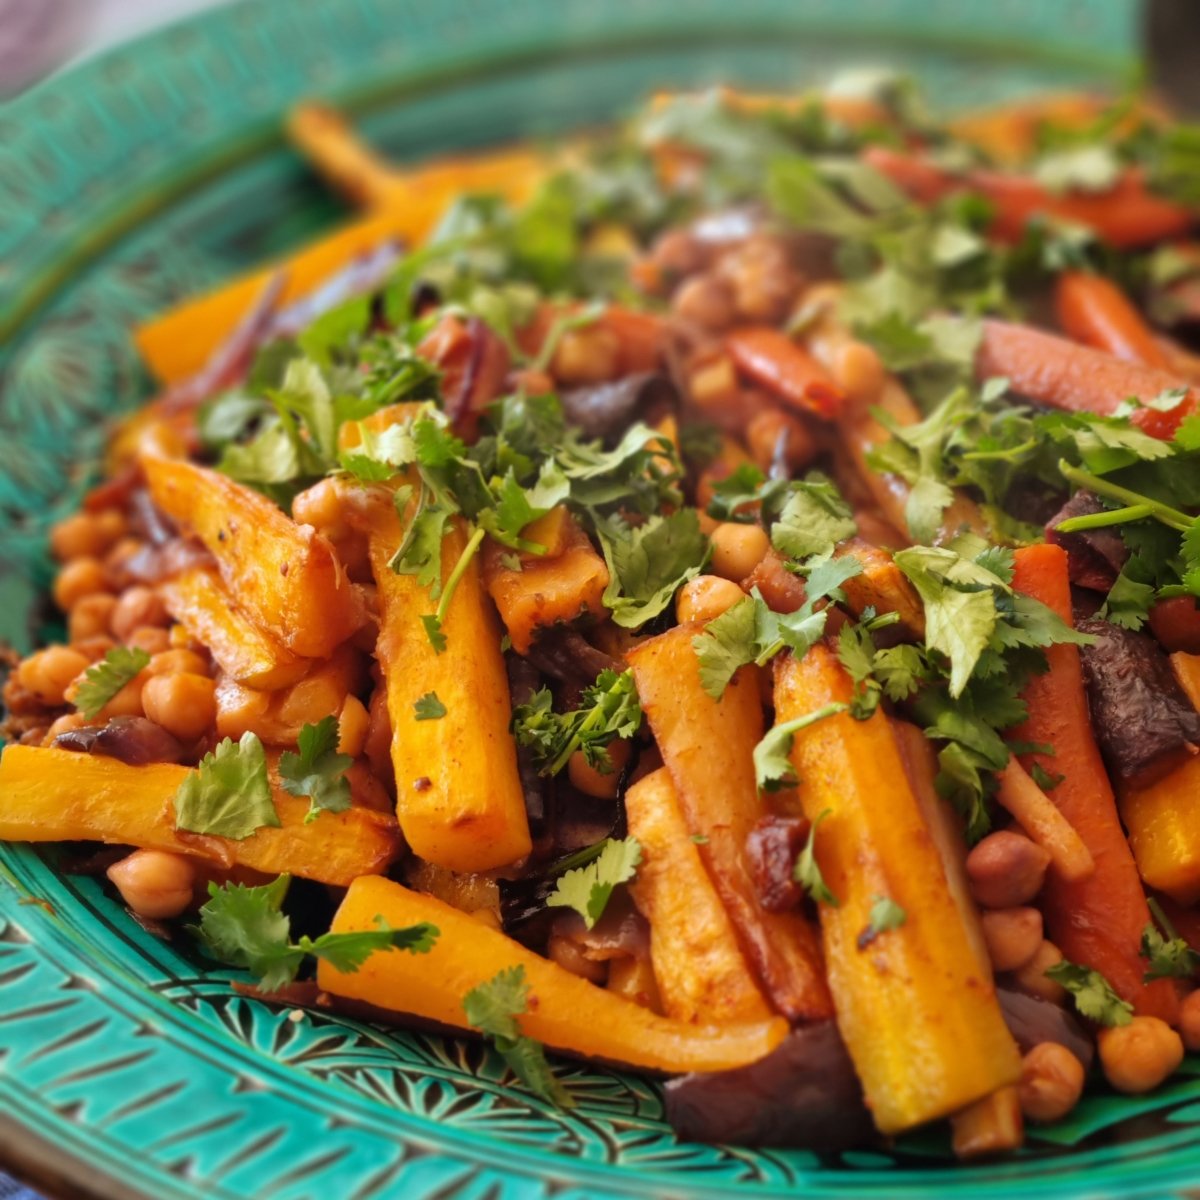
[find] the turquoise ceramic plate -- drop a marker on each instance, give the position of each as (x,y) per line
(124,1069)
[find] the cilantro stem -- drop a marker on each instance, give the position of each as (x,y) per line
(1103,487)
(587,724)
(564,324)
(1164,923)
(1101,520)
(460,568)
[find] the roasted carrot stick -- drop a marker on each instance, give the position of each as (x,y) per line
(1128,215)
(1044,822)
(1052,371)
(1093,310)
(1097,921)
(773,360)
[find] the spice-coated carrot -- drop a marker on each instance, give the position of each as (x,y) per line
(778,364)
(1097,921)
(1127,215)
(1044,822)
(1093,310)
(1060,374)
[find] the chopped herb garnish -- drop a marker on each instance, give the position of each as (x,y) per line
(318,770)
(1093,994)
(586,889)
(428,708)
(103,680)
(229,795)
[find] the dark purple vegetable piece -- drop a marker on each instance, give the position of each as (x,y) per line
(771,849)
(606,410)
(804,1093)
(1032,1021)
(364,273)
(231,359)
(133,740)
(1094,556)
(1145,724)
(566,655)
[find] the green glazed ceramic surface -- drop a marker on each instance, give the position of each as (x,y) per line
(126,1069)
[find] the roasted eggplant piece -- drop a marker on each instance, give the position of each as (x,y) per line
(1145,724)
(1094,556)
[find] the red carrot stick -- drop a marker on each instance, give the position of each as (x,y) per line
(1097,921)
(1094,311)
(778,364)
(1127,215)
(1052,371)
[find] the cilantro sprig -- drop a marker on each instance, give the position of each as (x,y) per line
(247,927)
(103,680)
(587,889)
(229,795)
(807,871)
(318,771)
(1168,955)
(493,1008)
(1093,995)
(609,709)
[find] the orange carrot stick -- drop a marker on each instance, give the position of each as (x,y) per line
(1094,311)
(1043,821)
(773,360)
(1097,921)
(1060,374)
(1127,215)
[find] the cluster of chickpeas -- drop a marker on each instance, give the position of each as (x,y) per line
(1005,871)
(105,608)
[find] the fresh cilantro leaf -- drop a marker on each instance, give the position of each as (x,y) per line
(1093,994)
(1043,778)
(1131,596)
(493,1008)
(229,795)
(960,606)
(813,520)
(103,680)
(727,643)
(806,871)
(1169,956)
(885,914)
(900,670)
(246,927)
(433,631)
(318,771)
(772,765)
(856,652)
(649,563)
(587,889)
(429,708)
(609,709)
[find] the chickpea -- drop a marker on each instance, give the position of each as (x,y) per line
(77,536)
(858,370)
(713,383)
(591,780)
(738,549)
(48,673)
(1006,869)
(566,953)
(762,437)
(64,724)
(706,597)
(90,616)
(80,577)
(154,883)
(128,701)
(677,253)
(183,703)
(94,648)
(1051,1082)
(153,639)
(588,355)
(761,275)
(1137,1057)
(1013,936)
(138,606)
(321,507)
(111,524)
(531,382)
(706,300)
(1032,977)
(1189,1021)
(169,662)
(707,523)
(352,727)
